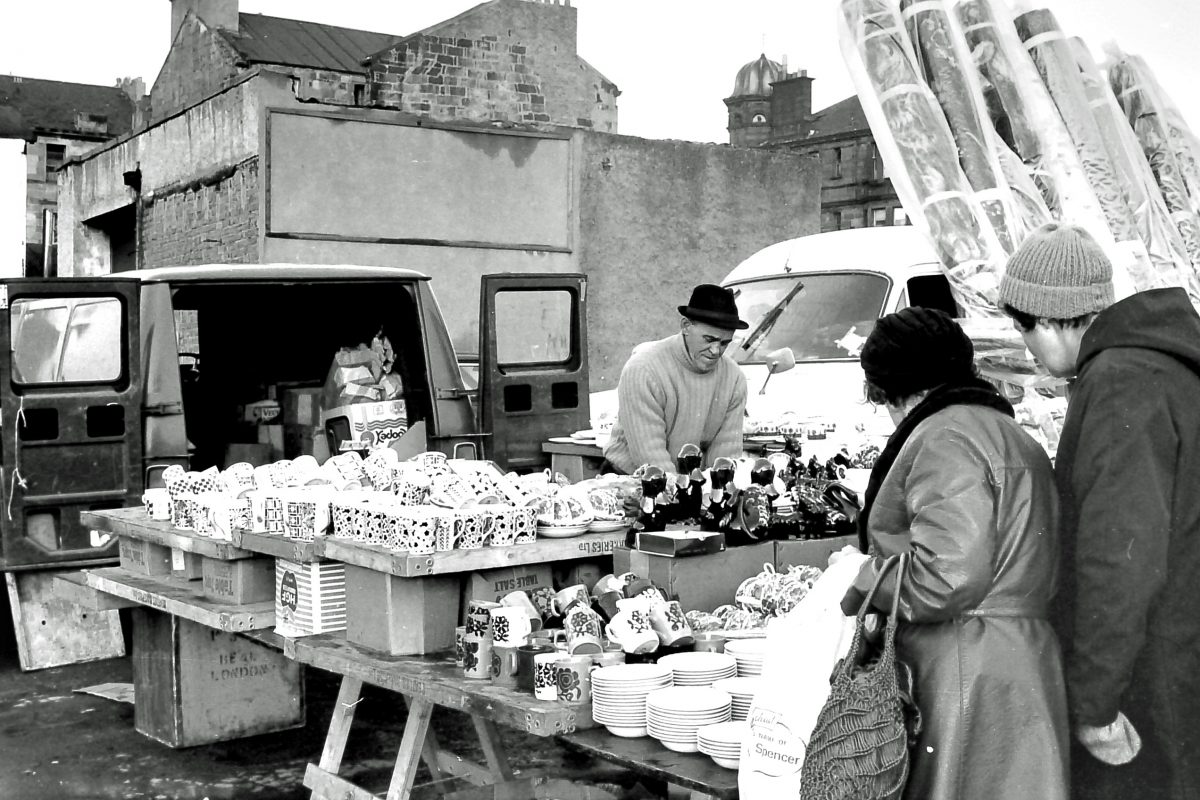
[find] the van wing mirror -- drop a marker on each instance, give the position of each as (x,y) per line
(780,360)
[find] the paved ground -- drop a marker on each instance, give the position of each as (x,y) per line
(56,744)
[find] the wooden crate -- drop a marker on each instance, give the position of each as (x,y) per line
(195,685)
(247,580)
(144,558)
(400,616)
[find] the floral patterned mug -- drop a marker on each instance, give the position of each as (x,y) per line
(582,626)
(573,675)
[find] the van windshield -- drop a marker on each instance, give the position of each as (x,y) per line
(829,319)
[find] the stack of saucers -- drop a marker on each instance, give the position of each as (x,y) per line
(723,742)
(619,696)
(699,668)
(749,654)
(673,715)
(742,690)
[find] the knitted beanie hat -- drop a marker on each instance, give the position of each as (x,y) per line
(1058,272)
(916,349)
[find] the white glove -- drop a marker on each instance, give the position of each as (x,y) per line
(1115,743)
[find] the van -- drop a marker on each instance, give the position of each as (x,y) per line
(108,380)
(820,296)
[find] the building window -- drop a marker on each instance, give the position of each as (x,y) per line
(849,218)
(900,216)
(878,172)
(56,154)
(837,162)
(759,119)
(879,217)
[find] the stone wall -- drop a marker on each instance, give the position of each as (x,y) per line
(659,217)
(510,60)
(198,64)
(210,220)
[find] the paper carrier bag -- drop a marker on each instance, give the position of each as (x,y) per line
(802,650)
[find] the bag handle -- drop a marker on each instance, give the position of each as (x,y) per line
(889,645)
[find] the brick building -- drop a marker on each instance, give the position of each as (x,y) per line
(481,144)
(57,121)
(772,108)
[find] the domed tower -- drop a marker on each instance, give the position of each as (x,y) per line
(750,104)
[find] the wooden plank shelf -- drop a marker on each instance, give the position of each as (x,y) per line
(436,679)
(183,599)
(404,565)
(73,587)
(694,771)
(133,523)
(271,544)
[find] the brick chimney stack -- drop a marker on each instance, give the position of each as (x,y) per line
(214,13)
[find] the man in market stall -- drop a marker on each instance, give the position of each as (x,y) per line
(1128,472)
(682,389)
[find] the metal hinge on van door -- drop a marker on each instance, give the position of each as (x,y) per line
(453,394)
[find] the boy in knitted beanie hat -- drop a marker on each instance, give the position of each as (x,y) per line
(1128,462)
(1053,287)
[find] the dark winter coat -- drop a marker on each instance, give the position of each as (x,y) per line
(971,497)
(1128,470)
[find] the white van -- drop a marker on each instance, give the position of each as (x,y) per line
(820,296)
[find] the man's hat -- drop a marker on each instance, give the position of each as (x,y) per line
(713,305)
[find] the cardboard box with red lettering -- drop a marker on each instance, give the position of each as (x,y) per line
(363,426)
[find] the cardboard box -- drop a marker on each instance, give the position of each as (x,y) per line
(681,543)
(143,557)
(188,566)
(700,583)
(362,426)
(309,597)
(302,407)
(246,580)
(493,584)
(400,616)
(272,436)
(810,552)
(305,440)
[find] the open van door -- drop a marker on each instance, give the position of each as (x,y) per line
(70,417)
(533,374)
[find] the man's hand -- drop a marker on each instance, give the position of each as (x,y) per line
(1115,743)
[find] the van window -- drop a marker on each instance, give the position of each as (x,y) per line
(825,318)
(931,291)
(533,327)
(66,340)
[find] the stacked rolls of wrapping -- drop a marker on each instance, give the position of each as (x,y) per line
(916,142)
(1047,46)
(945,63)
(1024,107)
(1133,87)
(1168,254)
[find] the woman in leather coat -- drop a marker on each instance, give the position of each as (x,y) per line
(970,496)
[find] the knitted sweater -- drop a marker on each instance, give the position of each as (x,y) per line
(665,403)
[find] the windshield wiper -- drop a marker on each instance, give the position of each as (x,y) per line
(769,319)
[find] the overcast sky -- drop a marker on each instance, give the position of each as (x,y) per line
(674,60)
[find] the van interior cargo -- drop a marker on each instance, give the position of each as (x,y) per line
(238,343)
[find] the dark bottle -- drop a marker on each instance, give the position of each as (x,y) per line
(654,512)
(690,483)
(719,503)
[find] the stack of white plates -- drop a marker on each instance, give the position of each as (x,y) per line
(673,715)
(619,696)
(701,668)
(749,654)
(723,742)
(742,690)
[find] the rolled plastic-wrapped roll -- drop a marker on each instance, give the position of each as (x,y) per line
(1038,133)
(945,63)
(1168,255)
(1137,101)
(1184,143)
(1047,46)
(1031,210)
(920,153)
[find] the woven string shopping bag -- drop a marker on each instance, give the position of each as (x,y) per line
(859,745)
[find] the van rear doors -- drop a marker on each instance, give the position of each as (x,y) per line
(70,416)
(533,374)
